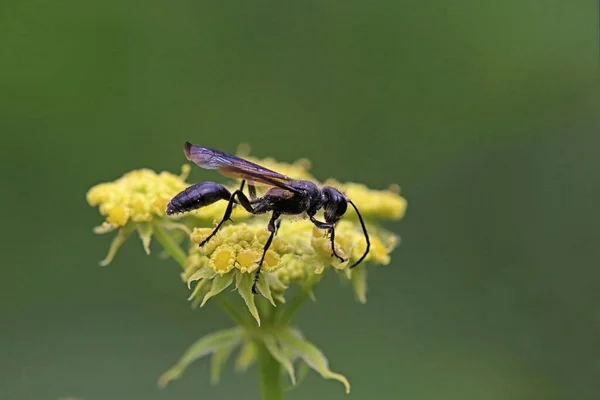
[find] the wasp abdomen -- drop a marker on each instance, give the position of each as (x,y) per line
(196,196)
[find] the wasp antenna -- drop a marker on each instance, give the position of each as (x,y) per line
(186,149)
(364,228)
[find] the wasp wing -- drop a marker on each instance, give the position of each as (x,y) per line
(235,167)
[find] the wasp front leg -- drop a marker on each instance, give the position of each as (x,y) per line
(331,229)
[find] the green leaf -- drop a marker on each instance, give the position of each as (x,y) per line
(219,358)
(219,284)
(246,357)
(311,355)
(202,347)
(359,283)
(145,232)
(204,273)
(245,291)
(264,289)
(278,354)
(117,242)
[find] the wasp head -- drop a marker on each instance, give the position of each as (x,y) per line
(334,204)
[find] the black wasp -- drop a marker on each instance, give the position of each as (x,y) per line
(286,196)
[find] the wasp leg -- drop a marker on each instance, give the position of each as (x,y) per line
(273,225)
(252,191)
(333,252)
(243,200)
(331,228)
(277,225)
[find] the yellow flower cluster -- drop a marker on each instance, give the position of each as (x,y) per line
(238,246)
(382,204)
(137,196)
(298,250)
(312,248)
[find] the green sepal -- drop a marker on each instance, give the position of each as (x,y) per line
(264,289)
(145,232)
(204,273)
(246,357)
(245,291)
(204,346)
(239,275)
(117,242)
(197,290)
(275,283)
(104,228)
(359,283)
(280,355)
(301,373)
(311,355)
(176,225)
(219,283)
(279,297)
(218,360)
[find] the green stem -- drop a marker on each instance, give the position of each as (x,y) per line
(270,375)
(303,294)
(176,252)
(169,244)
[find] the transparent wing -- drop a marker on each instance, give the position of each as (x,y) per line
(235,167)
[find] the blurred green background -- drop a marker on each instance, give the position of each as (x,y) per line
(485,114)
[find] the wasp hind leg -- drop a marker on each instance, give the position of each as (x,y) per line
(242,199)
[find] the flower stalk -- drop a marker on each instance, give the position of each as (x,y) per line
(270,375)
(169,245)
